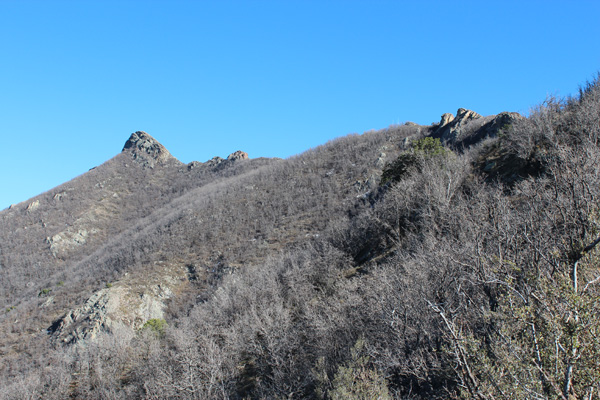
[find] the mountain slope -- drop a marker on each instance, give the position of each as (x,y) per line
(130,213)
(45,238)
(450,260)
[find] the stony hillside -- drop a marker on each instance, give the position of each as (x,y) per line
(44,240)
(455,260)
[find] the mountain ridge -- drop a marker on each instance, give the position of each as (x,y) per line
(387,263)
(153,169)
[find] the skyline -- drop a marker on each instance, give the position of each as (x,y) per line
(272,79)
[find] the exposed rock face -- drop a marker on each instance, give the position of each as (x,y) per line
(129,303)
(238,155)
(147,150)
(213,162)
(194,165)
(87,320)
(446,119)
(452,128)
(59,196)
(64,242)
(463,115)
(218,161)
(468,127)
(33,206)
(492,128)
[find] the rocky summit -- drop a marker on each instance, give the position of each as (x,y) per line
(451,128)
(469,127)
(238,155)
(147,150)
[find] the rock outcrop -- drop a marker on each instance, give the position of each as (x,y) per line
(446,119)
(491,128)
(215,161)
(218,161)
(67,241)
(33,206)
(238,155)
(468,127)
(450,128)
(147,150)
(129,303)
(194,165)
(86,321)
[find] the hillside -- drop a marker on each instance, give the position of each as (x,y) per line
(51,243)
(456,260)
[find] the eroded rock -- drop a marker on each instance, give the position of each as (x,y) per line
(66,241)
(238,155)
(59,196)
(147,150)
(129,303)
(491,128)
(215,161)
(450,128)
(446,119)
(34,205)
(194,165)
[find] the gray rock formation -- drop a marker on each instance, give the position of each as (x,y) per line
(213,162)
(67,241)
(86,321)
(492,128)
(59,196)
(34,205)
(468,127)
(218,161)
(194,165)
(238,155)
(129,303)
(147,150)
(451,129)
(446,119)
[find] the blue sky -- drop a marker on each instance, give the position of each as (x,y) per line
(272,78)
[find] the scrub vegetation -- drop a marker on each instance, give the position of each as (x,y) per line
(376,266)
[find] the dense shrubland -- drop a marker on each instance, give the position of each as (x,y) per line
(445,273)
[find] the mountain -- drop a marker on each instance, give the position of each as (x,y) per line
(54,246)
(444,261)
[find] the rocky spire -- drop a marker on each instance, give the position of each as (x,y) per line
(468,127)
(147,150)
(451,128)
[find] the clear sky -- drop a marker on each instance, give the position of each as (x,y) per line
(272,78)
